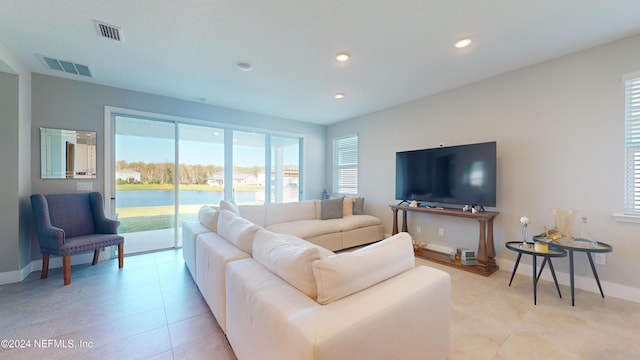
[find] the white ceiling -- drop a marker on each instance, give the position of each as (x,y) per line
(401,50)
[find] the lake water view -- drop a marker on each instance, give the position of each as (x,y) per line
(140,198)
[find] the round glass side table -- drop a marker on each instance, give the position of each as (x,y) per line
(586,246)
(529,249)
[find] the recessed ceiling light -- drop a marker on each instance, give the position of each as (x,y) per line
(464,42)
(244,66)
(339,96)
(343,56)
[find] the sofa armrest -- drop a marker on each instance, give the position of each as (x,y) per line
(405,317)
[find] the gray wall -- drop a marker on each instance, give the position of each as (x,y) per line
(15,176)
(559,127)
(68,104)
(9,166)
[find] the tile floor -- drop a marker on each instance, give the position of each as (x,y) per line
(152,310)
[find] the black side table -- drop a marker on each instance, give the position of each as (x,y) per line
(529,249)
(587,247)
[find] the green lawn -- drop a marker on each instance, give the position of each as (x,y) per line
(199,187)
(146,218)
(153,217)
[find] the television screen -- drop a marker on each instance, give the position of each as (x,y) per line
(463,175)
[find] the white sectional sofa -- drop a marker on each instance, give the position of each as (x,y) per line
(277,296)
(334,224)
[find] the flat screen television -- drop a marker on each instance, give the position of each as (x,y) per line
(461,175)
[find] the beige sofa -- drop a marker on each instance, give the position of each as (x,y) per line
(277,296)
(305,219)
(308,220)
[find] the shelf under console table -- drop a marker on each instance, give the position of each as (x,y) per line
(486,250)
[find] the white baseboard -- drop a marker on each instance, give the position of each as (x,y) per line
(586,283)
(9,277)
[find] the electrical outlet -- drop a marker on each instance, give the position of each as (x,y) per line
(418,229)
(441,231)
(600,259)
(84,186)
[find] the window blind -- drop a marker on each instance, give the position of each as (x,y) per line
(345,166)
(632,145)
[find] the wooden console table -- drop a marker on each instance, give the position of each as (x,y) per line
(486,251)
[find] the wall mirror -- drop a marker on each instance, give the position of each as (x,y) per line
(67,154)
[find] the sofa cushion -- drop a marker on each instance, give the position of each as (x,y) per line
(229,206)
(291,262)
(358,206)
(295,240)
(276,213)
(237,230)
(253,213)
(356,221)
(306,228)
(341,275)
(347,206)
(331,209)
(208,217)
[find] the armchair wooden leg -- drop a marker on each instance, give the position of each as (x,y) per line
(120,255)
(66,268)
(96,255)
(45,266)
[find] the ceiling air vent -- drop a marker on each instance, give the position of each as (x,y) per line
(108,31)
(66,66)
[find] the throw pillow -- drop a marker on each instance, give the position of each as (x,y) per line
(208,217)
(230,206)
(291,262)
(347,208)
(331,209)
(237,230)
(358,206)
(338,276)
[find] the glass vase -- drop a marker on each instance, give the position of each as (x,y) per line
(525,236)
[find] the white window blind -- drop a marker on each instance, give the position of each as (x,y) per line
(345,166)
(632,145)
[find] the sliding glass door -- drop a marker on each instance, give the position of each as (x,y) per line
(152,196)
(201,171)
(144,183)
(248,168)
(285,169)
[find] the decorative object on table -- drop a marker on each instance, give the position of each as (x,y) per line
(474,210)
(524,225)
(325,194)
(413,204)
(584,234)
(564,221)
(418,244)
(467,257)
(541,247)
(551,234)
(466,208)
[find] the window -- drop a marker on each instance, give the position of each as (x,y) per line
(249,167)
(632,145)
(285,169)
(345,165)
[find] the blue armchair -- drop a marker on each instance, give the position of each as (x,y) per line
(69,224)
